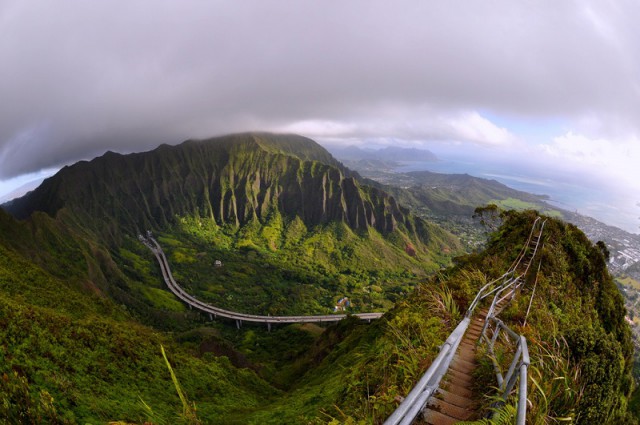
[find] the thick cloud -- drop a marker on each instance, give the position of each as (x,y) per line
(78,78)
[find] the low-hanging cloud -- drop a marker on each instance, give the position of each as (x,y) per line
(411,127)
(78,78)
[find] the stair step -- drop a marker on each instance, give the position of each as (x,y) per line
(466,359)
(460,413)
(474,331)
(463,367)
(460,377)
(472,335)
(463,363)
(433,417)
(461,391)
(455,399)
(466,352)
(470,338)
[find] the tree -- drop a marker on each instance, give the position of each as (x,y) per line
(488,216)
(604,250)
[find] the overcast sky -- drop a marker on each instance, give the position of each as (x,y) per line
(551,82)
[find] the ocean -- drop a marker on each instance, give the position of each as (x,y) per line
(578,193)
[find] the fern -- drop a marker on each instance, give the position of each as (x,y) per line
(505,415)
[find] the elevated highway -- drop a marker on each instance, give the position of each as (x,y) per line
(215,312)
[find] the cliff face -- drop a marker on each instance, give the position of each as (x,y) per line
(259,202)
(230,180)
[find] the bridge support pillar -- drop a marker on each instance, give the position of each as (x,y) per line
(210,316)
(269,327)
(238,324)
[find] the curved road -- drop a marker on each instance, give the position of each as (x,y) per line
(153,245)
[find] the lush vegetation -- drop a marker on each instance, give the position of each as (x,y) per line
(579,342)
(452,195)
(357,372)
(87,360)
(520,205)
(72,356)
(284,268)
(84,312)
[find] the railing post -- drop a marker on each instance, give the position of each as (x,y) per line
(522,396)
(522,391)
(511,377)
(489,314)
(496,334)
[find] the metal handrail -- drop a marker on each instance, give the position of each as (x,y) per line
(519,363)
(516,283)
(414,402)
(506,282)
(520,256)
(521,358)
(482,295)
(417,399)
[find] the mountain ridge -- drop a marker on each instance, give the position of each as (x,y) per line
(243,196)
(230,180)
(99,359)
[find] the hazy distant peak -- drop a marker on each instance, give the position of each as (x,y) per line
(390,153)
(407,154)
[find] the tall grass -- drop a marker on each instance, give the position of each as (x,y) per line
(188,415)
(442,300)
(553,400)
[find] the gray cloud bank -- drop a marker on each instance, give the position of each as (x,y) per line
(78,78)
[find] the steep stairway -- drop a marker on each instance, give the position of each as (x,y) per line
(451,398)
(455,401)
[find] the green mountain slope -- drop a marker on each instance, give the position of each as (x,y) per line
(454,194)
(84,310)
(69,354)
(579,343)
(294,228)
(228,180)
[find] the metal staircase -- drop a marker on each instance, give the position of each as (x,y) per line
(443,394)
